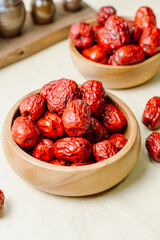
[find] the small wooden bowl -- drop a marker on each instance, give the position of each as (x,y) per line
(115,77)
(74,181)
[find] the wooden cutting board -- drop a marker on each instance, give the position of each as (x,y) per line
(35,38)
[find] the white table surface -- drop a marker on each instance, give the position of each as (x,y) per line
(129,211)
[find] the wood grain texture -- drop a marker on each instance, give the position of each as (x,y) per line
(115,77)
(35,38)
(74,181)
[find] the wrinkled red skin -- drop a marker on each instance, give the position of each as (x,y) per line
(127,55)
(95,53)
(62,93)
(82,34)
(113,119)
(114,34)
(2,198)
(103,150)
(24,132)
(153,145)
(60,162)
(81,164)
(145,17)
(151,114)
(33,106)
(118,140)
(72,149)
(94,95)
(104,13)
(150,40)
(44,150)
(135,31)
(96,132)
(77,118)
(47,88)
(51,125)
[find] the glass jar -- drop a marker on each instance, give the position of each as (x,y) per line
(72,5)
(12,17)
(43,11)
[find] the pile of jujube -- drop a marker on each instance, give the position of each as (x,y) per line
(70,126)
(116,41)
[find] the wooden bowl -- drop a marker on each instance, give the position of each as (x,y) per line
(115,77)
(74,181)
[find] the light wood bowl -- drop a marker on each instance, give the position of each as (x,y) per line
(74,181)
(115,77)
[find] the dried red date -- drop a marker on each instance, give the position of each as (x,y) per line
(103,150)
(135,31)
(114,35)
(72,149)
(151,114)
(2,198)
(104,13)
(59,162)
(145,17)
(32,106)
(113,119)
(24,132)
(82,34)
(62,93)
(153,145)
(96,132)
(150,40)
(77,118)
(47,88)
(94,95)
(51,125)
(44,150)
(95,53)
(118,140)
(127,55)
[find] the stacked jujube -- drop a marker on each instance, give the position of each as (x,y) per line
(70,126)
(115,41)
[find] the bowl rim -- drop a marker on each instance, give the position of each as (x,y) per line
(105,66)
(134,128)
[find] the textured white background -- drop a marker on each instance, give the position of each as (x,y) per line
(127,212)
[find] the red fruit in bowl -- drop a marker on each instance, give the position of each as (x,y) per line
(153,145)
(113,119)
(103,150)
(114,34)
(33,106)
(44,150)
(72,149)
(24,132)
(127,55)
(150,40)
(77,118)
(118,140)
(62,93)
(145,17)
(59,162)
(96,132)
(82,34)
(95,53)
(151,114)
(94,95)
(135,31)
(50,125)
(104,13)
(47,88)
